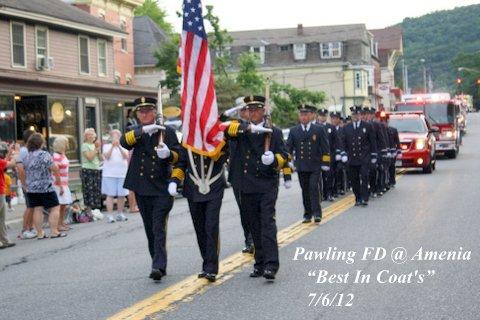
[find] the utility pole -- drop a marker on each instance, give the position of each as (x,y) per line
(424,76)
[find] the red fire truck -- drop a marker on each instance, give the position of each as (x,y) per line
(443,114)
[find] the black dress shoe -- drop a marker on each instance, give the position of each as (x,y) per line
(342,193)
(317,219)
(364,203)
(269,274)
(202,274)
(248,249)
(211,277)
(357,203)
(256,273)
(305,220)
(331,198)
(157,274)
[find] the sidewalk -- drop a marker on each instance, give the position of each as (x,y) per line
(14,219)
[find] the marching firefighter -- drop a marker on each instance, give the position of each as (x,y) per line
(308,142)
(262,154)
(204,185)
(395,151)
(377,170)
(327,176)
(148,177)
(361,148)
(234,167)
(339,164)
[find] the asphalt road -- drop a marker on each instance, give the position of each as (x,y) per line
(100,269)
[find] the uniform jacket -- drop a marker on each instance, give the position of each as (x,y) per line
(381,137)
(394,139)
(250,175)
(310,149)
(147,174)
(360,144)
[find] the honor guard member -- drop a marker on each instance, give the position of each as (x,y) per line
(258,182)
(327,176)
(395,152)
(308,143)
(148,176)
(377,172)
(235,167)
(339,164)
(204,184)
(361,148)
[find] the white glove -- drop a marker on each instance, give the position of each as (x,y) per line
(344,159)
(389,155)
(291,165)
(268,158)
(152,128)
(374,160)
(338,157)
(288,184)
(325,168)
(230,112)
(163,152)
(172,189)
(258,129)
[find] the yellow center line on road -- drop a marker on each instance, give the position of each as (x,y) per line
(186,289)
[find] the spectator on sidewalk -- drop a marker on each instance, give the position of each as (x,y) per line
(114,171)
(60,146)
(28,232)
(39,167)
(91,173)
(5,162)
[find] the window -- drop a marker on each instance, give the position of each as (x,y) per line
(112,117)
(102,58)
(123,26)
(330,50)
(63,114)
(260,52)
(358,80)
(373,47)
(300,51)
(42,42)
(84,56)
(285,47)
(18,44)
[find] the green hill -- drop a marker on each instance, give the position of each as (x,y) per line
(438,37)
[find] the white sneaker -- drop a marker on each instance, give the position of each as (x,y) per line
(121,217)
(110,219)
(27,234)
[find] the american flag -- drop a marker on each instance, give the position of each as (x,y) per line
(201,131)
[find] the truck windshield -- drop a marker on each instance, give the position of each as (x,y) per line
(439,113)
(409,107)
(414,125)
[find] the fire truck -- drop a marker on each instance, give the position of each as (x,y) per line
(443,114)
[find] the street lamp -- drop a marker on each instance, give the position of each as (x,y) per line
(424,75)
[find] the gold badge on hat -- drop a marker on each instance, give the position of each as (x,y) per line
(314,138)
(142,99)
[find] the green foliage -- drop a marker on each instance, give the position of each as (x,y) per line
(248,78)
(469,73)
(438,37)
(167,57)
(150,8)
(286,99)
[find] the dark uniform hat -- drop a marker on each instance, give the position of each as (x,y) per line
(323,111)
(365,110)
(306,108)
(356,109)
(254,101)
(145,102)
(335,114)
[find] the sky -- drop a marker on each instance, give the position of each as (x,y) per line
(270,14)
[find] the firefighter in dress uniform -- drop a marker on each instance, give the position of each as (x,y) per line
(235,165)
(339,164)
(361,148)
(204,193)
(308,143)
(395,151)
(327,176)
(148,176)
(258,182)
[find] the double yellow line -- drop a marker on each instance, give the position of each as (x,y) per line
(166,299)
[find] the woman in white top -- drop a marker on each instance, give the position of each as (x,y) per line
(60,146)
(115,168)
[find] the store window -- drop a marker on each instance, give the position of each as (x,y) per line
(63,115)
(112,118)
(7,119)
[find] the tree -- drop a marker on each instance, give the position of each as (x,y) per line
(167,58)
(248,78)
(151,9)
(468,70)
